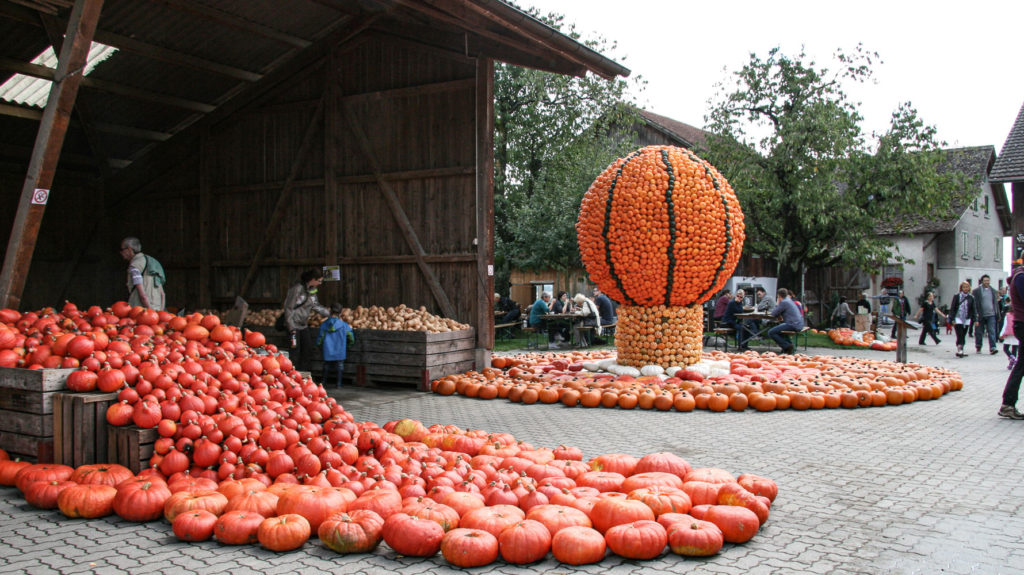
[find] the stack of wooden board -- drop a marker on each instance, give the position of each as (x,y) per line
(26,411)
(408,357)
(80,428)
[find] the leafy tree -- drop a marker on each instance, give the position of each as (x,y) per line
(791,144)
(553,135)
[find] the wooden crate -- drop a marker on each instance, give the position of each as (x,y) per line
(26,411)
(80,427)
(130,446)
(409,357)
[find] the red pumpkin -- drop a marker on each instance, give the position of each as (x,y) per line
(412,536)
(194,525)
(258,501)
(284,532)
(603,481)
(469,547)
(82,381)
(384,502)
(620,463)
(578,545)
(651,479)
(89,501)
(120,413)
(358,531)
(314,503)
(637,540)
(186,501)
(524,542)
(738,524)
(702,492)
(238,527)
(427,508)
(9,470)
(709,475)
(665,462)
(43,494)
(493,519)
(610,511)
(141,499)
(558,517)
(694,538)
(146,414)
(101,474)
(663,499)
(759,485)
(41,472)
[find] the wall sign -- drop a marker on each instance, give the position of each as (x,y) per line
(40,196)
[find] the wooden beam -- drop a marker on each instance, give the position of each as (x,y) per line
(141,48)
(453,171)
(413,91)
(485,203)
(26,113)
(49,140)
(44,73)
(16,111)
(281,208)
(456,258)
(207,13)
(332,211)
(399,213)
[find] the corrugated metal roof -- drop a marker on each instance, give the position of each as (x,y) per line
(33,92)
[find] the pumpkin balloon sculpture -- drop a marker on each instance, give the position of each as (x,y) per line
(661,232)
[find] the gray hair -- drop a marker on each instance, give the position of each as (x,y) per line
(133,244)
(545,294)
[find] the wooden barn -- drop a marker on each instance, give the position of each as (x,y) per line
(246,141)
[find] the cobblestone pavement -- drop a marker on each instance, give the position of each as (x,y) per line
(930,487)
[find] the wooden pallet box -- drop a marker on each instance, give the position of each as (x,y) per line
(80,428)
(409,357)
(131,446)
(26,411)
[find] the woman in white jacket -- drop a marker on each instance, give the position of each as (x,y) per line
(586,309)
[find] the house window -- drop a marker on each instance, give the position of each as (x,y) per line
(999,250)
(964,248)
(986,207)
(977,246)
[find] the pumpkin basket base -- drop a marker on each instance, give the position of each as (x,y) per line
(660,335)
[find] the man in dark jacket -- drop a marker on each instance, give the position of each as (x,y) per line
(606,310)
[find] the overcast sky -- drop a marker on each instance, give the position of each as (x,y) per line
(960,65)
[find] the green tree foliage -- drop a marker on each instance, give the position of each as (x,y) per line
(812,185)
(553,135)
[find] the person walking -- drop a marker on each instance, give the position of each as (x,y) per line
(900,309)
(962,310)
(926,314)
(842,313)
(1012,388)
(145,276)
(298,304)
(986,305)
(335,335)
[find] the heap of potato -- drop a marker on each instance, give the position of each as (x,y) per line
(263,317)
(400,318)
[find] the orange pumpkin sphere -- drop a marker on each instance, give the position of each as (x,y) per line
(660,227)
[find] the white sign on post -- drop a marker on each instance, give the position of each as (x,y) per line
(40,196)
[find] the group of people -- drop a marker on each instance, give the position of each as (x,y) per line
(787,311)
(597,313)
(332,337)
(989,313)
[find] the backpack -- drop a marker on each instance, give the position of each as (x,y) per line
(154,269)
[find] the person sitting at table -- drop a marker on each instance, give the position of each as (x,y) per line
(720,304)
(587,310)
(562,305)
(606,309)
(538,310)
(729,318)
(791,320)
(765,305)
(511,309)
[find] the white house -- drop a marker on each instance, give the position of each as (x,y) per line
(946,252)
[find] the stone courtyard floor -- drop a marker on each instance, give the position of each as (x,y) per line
(931,487)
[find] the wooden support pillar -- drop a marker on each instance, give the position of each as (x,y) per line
(485,204)
(332,211)
(49,140)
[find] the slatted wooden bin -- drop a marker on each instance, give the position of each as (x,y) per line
(26,411)
(409,357)
(80,427)
(131,446)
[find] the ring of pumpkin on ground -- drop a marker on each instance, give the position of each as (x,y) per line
(761,382)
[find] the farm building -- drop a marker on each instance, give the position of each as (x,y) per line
(244,142)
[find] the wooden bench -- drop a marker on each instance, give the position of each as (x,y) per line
(533,337)
(586,334)
(505,330)
(608,333)
(796,335)
(723,333)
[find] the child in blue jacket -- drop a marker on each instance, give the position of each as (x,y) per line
(334,337)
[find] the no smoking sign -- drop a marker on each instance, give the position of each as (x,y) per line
(40,196)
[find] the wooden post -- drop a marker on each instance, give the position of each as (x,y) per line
(902,326)
(46,153)
(485,203)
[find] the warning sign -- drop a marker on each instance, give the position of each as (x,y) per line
(40,196)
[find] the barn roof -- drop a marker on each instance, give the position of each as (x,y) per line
(181,64)
(686,135)
(1010,165)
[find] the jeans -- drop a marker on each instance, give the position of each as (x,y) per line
(783,341)
(742,335)
(1012,388)
(336,368)
(986,324)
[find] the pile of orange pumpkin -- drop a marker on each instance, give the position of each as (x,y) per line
(846,336)
(760,382)
(251,452)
